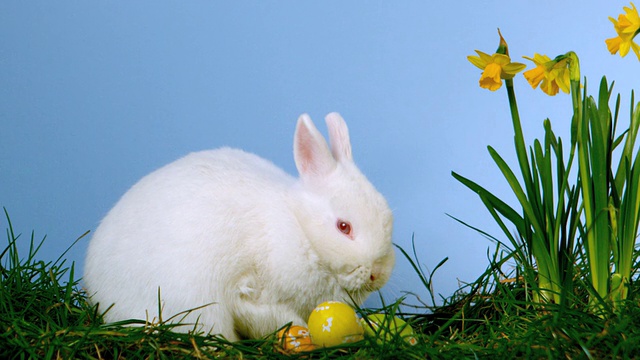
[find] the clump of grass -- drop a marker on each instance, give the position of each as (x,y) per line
(44,314)
(496,317)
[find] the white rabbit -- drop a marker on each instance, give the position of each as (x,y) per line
(251,246)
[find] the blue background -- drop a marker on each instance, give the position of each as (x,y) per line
(94,95)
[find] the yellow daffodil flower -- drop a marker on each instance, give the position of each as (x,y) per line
(627,27)
(495,68)
(551,75)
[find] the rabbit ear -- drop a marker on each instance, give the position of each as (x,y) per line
(310,150)
(339,137)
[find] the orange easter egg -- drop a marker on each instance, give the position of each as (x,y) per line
(295,339)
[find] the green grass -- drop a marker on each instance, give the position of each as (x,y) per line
(44,314)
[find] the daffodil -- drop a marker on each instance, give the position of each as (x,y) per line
(551,75)
(627,27)
(495,68)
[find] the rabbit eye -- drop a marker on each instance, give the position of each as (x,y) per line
(344,227)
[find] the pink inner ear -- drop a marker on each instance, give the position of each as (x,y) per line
(339,137)
(305,150)
(311,152)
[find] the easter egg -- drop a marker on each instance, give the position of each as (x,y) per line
(295,338)
(385,328)
(333,323)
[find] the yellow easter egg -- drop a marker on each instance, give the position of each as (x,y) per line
(295,339)
(385,328)
(333,323)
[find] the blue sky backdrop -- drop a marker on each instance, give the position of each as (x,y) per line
(95,95)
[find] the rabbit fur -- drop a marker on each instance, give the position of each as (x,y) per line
(245,246)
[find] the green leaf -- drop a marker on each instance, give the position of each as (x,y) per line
(499,205)
(517,190)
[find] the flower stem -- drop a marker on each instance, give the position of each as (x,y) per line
(521,150)
(576,98)
(547,274)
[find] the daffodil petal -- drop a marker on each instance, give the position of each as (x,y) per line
(614,21)
(541,59)
(477,61)
(481,60)
(549,87)
(636,49)
(564,82)
(490,78)
(534,76)
(513,68)
(613,44)
(500,59)
(483,55)
(492,71)
(625,46)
